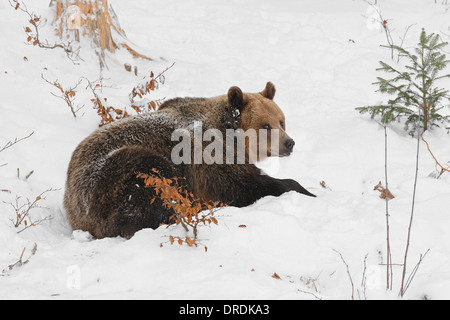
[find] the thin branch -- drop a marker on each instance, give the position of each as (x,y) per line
(67,95)
(414,271)
(437,162)
(402,39)
(348,272)
(20,262)
(22,211)
(11,143)
(384,24)
(152,84)
(34,37)
(310,293)
(389,273)
(364,278)
(403,289)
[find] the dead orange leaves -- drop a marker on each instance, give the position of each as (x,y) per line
(275,276)
(188,211)
(383,194)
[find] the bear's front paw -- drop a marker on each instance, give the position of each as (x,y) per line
(293,185)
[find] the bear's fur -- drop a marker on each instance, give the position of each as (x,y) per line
(103,195)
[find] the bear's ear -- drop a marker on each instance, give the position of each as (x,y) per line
(236,98)
(269,91)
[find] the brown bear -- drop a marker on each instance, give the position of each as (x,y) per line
(105,197)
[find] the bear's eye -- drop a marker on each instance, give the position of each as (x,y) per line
(282,124)
(267,126)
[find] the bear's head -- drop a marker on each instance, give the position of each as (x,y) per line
(261,115)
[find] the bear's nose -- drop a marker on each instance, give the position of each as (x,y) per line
(289,144)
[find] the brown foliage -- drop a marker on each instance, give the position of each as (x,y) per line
(145,88)
(187,209)
(107,114)
(380,188)
(33,36)
(276,276)
(22,212)
(68,95)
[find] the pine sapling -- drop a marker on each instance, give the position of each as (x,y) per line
(413,86)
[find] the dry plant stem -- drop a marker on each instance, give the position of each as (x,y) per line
(20,263)
(389,273)
(193,225)
(66,95)
(28,175)
(348,272)
(388,35)
(387,31)
(414,271)
(185,207)
(364,279)
(310,293)
(13,142)
(384,25)
(22,212)
(34,39)
(108,114)
(151,85)
(402,39)
(180,218)
(402,288)
(437,162)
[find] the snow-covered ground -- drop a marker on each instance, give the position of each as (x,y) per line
(322,57)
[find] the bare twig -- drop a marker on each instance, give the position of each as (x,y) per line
(33,36)
(402,39)
(363,279)
(310,293)
(437,162)
(22,211)
(13,142)
(311,282)
(384,25)
(67,95)
(403,285)
(108,114)
(20,262)
(389,273)
(152,84)
(414,271)
(28,175)
(348,272)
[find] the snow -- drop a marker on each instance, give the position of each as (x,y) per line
(322,56)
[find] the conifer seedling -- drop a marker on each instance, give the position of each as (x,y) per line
(416,97)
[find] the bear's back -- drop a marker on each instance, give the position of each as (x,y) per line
(146,130)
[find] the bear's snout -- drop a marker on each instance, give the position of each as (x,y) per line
(289,144)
